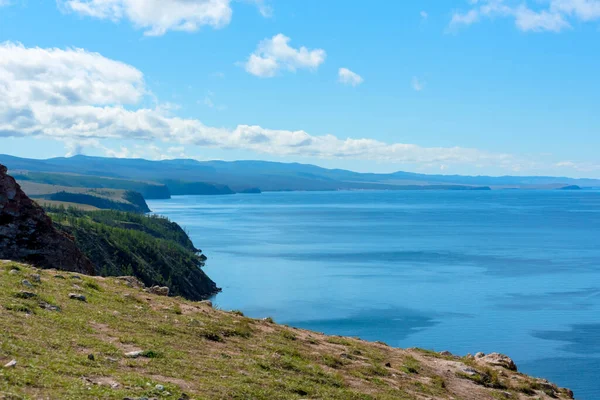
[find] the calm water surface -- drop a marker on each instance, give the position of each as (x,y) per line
(516,272)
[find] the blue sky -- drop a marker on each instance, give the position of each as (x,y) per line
(457,86)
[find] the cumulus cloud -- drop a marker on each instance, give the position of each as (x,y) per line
(275,54)
(83,98)
(156,16)
(550,16)
(66,77)
(348,77)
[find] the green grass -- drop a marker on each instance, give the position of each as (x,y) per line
(411,365)
(487,377)
(187,347)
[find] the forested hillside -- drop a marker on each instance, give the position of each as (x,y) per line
(151,248)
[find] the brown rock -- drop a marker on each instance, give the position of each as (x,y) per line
(27,233)
(159,290)
(132,281)
(500,360)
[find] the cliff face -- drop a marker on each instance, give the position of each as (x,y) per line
(27,233)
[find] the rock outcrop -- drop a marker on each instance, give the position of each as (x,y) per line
(499,360)
(27,233)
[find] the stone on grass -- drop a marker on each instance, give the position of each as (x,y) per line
(14,272)
(11,364)
(25,295)
(479,355)
(469,371)
(207,303)
(36,278)
(48,306)
(25,282)
(159,290)
(499,360)
(134,354)
(132,281)
(445,353)
(77,296)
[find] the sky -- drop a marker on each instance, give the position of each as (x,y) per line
(495,87)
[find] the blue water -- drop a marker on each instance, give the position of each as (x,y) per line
(516,272)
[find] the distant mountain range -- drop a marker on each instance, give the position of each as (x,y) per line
(185,176)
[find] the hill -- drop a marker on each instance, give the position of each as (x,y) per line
(150,190)
(70,336)
(271,176)
(110,199)
(151,248)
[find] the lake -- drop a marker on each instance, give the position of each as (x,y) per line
(517,272)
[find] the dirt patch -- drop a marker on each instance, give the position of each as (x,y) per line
(105,333)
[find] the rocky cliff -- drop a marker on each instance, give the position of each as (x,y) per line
(27,233)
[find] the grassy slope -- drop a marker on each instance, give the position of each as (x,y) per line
(115,199)
(149,190)
(205,353)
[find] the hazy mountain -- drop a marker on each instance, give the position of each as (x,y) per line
(274,176)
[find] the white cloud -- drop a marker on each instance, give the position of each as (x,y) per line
(424,14)
(66,77)
(156,16)
(275,54)
(348,77)
(579,166)
(263,8)
(467,18)
(528,20)
(586,10)
(417,84)
(83,98)
(550,16)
